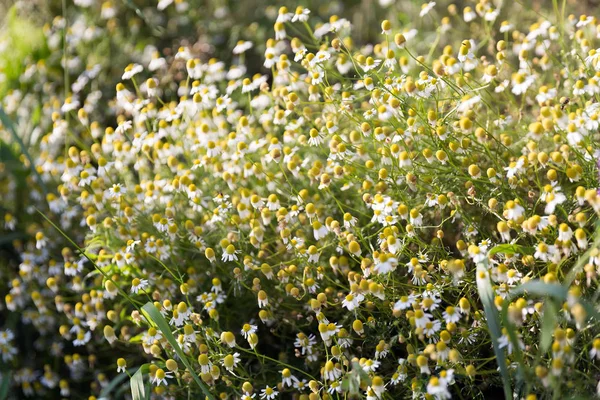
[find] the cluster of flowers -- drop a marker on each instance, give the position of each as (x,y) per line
(329,228)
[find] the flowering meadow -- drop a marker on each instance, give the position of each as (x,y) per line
(351,200)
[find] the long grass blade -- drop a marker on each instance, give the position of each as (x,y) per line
(540,288)
(87,256)
(114,383)
(549,318)
(136,383)
(510,249)
(153,315)
(492,317)
(5,385)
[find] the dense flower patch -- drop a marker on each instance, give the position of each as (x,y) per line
(413,218)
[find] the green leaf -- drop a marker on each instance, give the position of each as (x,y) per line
(138,390)
(5,385)
(492,317)
(136,339)
(90,259)
(152,314)
(351,382)
(7,155)
(362,374)
(549,319)
(510,249)
(116,381)
(540,288)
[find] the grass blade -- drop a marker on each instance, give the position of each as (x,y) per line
(153,315)
(492,317)
(87,256)
(540,288)
(510,249)
(5,385)
(114,383)
(136,383)
(549,318)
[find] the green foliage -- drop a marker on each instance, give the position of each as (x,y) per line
(24,42)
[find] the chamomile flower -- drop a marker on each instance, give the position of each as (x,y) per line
(230,361)
(121,365)
(228,338)
(468,14)
(280,32)
(438,388)
(229,254)
(386,264)
(319,230)
(352,301)
(248,329)
(564,233)
(284,15)
(115,192)
(426,8)
(268,393)
(287,378)
(241,47)
(160,377)
(131,70)
(138,285)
